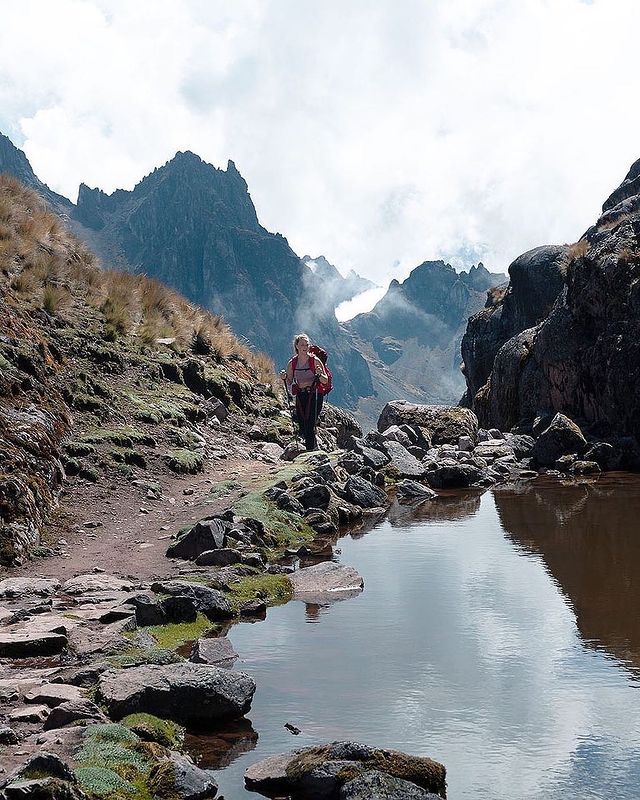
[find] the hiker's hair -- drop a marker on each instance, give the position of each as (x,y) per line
(297,338)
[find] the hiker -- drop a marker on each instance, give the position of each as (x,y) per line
(304,374)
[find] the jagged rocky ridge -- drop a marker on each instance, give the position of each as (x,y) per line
(565,336)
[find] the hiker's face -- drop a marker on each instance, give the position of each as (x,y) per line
(302,347)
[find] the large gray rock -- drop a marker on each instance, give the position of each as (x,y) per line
(315,496)
(53,694)
(178,777)
(204,535)
(19,587)
(440,424)
(561,438)
(412,490)
(223,557)
(73,711)
(373,457)
(364,494)
(191,694)
(405,464)
(210,602)
(30,644)
(452,475)
(326,582)
(324,770)
(216,650)
(377,785)
(85,584)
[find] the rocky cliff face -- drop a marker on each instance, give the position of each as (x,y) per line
(412,336)
(566,335)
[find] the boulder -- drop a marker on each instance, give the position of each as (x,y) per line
(73,711)
(188,693)
(20,587)
(178,777)
(216,650)
(440,424)
(53,694)
(85,584)
(452,475)
(561,437)
(585,468)
(492,449)
(211,602)
(31,644)
(375,785)
(147,610)
(314,496)
(219,558)
(364,494)
(207,534)
(412,490)
(324,771)
(521,444)
(326,582)
(405,464)
(372,457)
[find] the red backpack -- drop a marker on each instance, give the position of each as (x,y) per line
(321,353)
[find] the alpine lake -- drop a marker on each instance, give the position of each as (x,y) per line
(498,632)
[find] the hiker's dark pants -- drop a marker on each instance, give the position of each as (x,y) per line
(308,408)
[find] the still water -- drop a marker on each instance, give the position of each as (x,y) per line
(497,633)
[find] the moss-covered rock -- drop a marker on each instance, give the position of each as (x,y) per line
(154,729)
(184,461)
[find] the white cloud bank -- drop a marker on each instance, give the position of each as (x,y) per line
(378,133)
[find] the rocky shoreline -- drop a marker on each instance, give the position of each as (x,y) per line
(101,658)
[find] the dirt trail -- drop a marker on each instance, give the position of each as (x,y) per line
(133,531)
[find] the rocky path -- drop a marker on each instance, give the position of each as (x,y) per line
(125,529)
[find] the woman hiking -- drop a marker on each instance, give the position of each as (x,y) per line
(303,374)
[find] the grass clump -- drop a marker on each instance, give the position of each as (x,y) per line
(273,589)
(104,783)
(169,637)
(222,488)
(185,461)
(153,729)
(135,655)
(285,529)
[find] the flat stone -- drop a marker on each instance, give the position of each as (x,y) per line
(30,714)
(52,694)
(72,711)
(31,644)
(326,582)
(375,785)
(20,587)
(406,465)
(211,602)
(85,584)
(217,651)
(192,694)
(219,558)
(270,774)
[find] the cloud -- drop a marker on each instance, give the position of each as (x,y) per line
(378,135)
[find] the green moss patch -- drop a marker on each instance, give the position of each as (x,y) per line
(104,783)
(154,729)
(135,655)
(285,529)
(172,636)
(222,488)
(185,461)
(273,589)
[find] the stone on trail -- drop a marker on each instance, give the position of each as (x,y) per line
(188,693)
(211,602)
(53,694)
(208,534)
(216,650)
(31,644)
(29,714)
(85,584)
(223,557)
(20,587)
(326,582)
(72,711)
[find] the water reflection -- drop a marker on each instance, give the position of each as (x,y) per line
(220,749)
(587,534)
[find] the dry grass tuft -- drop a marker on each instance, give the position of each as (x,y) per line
(575,252)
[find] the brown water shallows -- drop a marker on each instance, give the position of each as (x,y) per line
(497,633)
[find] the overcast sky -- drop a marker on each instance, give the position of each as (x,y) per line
(380,133)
